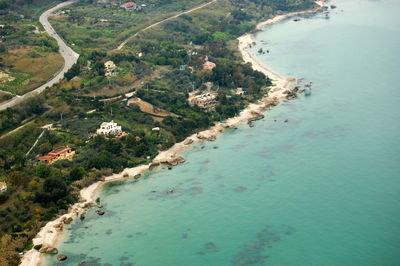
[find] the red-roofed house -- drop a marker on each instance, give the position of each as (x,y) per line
(57,154)
(129,6)
(209,65)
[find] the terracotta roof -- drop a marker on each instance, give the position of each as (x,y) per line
(59,150)
(129,4)
(46,158)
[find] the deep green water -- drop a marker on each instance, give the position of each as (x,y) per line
(322,189)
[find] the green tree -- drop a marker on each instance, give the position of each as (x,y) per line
(43,170)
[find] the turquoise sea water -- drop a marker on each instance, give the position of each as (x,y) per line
(322,189)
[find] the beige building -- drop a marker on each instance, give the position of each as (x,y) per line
(110,69)
(61,153)
(3,187)
(206,100)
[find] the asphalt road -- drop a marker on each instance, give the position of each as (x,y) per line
(70,58)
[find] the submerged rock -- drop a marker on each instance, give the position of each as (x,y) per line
(100,212)
(62,257)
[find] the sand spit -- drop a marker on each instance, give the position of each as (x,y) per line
(50,234)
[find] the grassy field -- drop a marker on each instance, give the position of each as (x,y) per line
(30,68)
(86,28)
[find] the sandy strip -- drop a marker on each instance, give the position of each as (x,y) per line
(50,236)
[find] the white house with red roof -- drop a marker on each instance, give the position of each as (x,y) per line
(129,6)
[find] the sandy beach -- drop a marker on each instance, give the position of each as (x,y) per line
(51,233)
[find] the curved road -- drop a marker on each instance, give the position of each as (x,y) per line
(165,20)
(70,58)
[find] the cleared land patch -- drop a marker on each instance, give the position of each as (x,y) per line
(149,108)
(29,68)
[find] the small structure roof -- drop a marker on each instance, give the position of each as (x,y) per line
(129,4)
(59,150)
(46,157)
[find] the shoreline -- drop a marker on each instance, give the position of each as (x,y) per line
(50,235)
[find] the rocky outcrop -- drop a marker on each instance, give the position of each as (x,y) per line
(137,176)
(59,226)
(188,142)
(48,250)
(154,165)
(67,220)
(201,136)
(204,136)
(87,205)
(256,116)
(37,247)
(175,161)
(212,138)
(62,257)
(291,95)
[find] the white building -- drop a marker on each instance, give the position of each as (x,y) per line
(110,69)
(107,128)
(3,187)
(239,91)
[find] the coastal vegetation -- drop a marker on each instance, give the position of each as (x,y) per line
(161,67)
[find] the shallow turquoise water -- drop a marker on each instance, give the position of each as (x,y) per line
(322,189)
